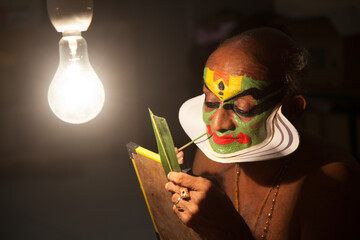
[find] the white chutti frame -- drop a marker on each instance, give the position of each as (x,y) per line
(282,137)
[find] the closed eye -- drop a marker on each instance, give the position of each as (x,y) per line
(238,110)
(242,112)
(212,104)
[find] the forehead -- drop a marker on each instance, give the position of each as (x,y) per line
(236,67)
(243,57)
(225,86)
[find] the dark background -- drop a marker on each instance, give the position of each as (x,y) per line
(63,181)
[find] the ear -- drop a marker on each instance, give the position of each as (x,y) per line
(294,108)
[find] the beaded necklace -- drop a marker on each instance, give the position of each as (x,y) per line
(274,188)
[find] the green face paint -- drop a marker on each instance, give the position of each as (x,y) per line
(243,136)
(249,123)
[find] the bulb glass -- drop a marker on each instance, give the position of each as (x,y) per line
(76,94)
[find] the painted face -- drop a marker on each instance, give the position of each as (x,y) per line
(235,110)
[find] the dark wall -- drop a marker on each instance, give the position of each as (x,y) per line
(62,181)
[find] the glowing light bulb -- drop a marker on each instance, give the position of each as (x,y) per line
(76,94)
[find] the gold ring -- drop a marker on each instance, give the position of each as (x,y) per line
(179,208)
(184,193)
(178,200)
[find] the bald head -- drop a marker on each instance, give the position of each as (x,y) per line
(263,54)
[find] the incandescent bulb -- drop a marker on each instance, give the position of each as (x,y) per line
(76,94)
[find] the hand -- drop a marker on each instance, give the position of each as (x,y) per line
(208,211)
(179,155)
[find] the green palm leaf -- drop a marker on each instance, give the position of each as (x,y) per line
(165,144)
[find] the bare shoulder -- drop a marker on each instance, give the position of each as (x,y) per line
(329,197)
(324,158)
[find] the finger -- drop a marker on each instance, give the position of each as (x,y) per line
(184,216)
(186,180)
(179,204)
(175,198)
(171,187)
(180,211)
(179,155)
(185,211)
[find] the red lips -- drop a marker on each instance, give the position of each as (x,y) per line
(229,138)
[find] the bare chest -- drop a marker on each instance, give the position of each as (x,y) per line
(269,211)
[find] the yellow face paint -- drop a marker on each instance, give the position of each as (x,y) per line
(223,85)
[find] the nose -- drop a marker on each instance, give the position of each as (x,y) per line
(222,120)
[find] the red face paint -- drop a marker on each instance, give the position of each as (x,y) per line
(241,138)
(220,75)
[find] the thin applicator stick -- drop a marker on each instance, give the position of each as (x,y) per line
(189,143)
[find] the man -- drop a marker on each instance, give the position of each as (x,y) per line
(251,177)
